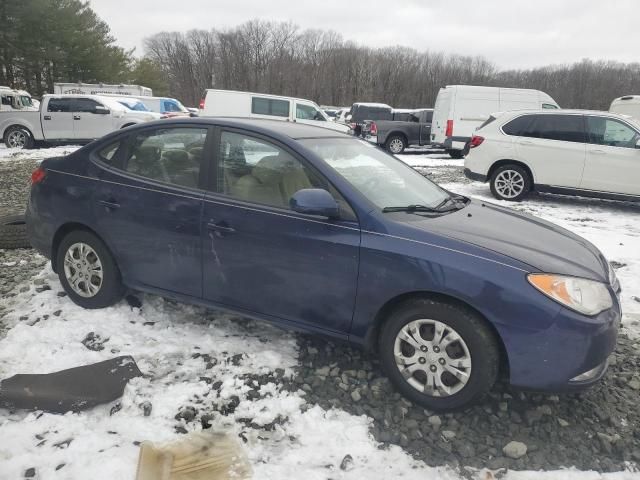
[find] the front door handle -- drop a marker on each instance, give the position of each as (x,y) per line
(109,204)
(76,117)
(47,117)
(222,227)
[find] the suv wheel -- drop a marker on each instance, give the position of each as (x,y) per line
(439,355)
(510,182)
(87,271)
(18,137)
(396,144)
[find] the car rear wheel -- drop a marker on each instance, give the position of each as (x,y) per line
(87,271)
(439,355)
(18,137)
(510,182)
(396,144)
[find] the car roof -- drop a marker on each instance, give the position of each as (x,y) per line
(559,111)
(292,130)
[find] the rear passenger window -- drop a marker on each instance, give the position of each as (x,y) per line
(269,106)
(169,155)
(515,127)
(57,105)
(566,128)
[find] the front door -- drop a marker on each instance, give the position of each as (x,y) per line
(87,123)
(553,146)
(57,121)
(613,160)
(261,256)
(309,114)
(148,206)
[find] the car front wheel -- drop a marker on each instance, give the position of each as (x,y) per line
(87,271)
(510,182)
(439,355)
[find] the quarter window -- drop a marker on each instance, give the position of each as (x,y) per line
(610,132)
(169,155)
(57,105)
(258,171)
(108,153)
(270,106)
(566,128)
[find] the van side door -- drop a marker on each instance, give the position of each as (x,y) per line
(57,120)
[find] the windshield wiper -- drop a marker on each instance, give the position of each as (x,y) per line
(410,208)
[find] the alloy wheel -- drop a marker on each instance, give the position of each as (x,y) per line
(83,270)
(396,145)
(17,139)
(509,183)
(432,357)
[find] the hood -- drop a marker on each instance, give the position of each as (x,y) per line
(544,246)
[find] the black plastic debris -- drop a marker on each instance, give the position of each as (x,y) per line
(73,389)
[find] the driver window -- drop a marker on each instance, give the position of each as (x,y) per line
(85,105)
(308,112)
(257,171)
(610,132)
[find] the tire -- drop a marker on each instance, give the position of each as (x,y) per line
(13,232)
(510,182)
(456,154)
(395,144)
(479,349)
(18,137)
(109,290)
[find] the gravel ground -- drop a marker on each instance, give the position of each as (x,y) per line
(596,430)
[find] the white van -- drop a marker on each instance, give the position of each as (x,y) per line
(229,103)
(627,105)
(460,109)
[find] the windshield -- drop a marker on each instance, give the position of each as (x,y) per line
(380,177)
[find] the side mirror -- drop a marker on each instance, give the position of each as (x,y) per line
(314,201)
(101,110)
(638,143)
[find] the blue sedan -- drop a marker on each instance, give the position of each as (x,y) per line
(318,231)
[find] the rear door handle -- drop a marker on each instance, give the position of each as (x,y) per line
(221,227)
(47,117)
(109,205)
(525,142)
(76,117)
(597,152)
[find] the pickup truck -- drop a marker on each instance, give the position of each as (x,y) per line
(68,119)
(408,127)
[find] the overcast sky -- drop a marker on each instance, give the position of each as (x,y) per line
(511,33)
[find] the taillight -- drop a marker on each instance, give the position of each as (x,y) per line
(449,132)
(38,175)
(201,104)
(373,128)
(476,141)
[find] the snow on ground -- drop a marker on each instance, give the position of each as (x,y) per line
(169,340)
(11,154)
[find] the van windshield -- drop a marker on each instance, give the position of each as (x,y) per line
(383,179)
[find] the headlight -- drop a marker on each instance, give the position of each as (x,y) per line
(585,296)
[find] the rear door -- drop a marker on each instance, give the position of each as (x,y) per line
(441,113)
(57,121)
(87,122)
(262,257)
(148,206)
(613,160)
(553,146)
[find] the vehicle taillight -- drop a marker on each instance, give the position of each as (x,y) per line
(449,132)
(373,128)
(38,175)
(476,141)
(201,104)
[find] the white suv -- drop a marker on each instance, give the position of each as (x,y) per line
(574,152)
